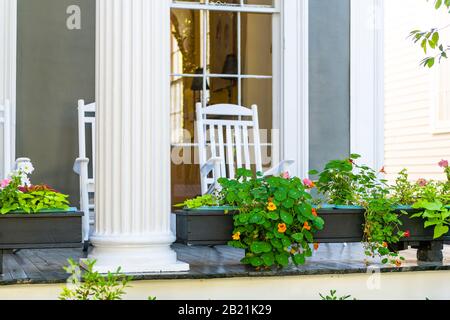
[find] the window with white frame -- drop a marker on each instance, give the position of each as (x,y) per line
(222,52)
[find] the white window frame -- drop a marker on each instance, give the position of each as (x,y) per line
(367,81)
(8,70)
(438,126)
(290,74)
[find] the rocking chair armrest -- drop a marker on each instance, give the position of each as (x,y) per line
(79,163)
(210,165)
(280,168)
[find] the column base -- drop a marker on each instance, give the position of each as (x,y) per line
(133,257)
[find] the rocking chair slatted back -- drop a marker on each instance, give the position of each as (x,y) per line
(223,132)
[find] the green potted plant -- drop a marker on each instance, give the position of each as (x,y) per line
(275,223)
(35,216)
(385,217)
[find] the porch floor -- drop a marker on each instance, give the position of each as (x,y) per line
(46,266)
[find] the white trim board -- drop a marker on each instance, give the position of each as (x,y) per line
(367,81)
(295,84)
(8,70)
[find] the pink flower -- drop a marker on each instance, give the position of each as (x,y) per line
(308,183)
(422,182)
(286,175)
(5,183)
(443,164)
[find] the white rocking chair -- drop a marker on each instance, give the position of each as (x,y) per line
(86,118)
(224,144)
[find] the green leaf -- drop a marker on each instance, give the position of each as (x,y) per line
(297,237)
(260,247)
(256,262)
(287,217)
(276,243)
(269,259)
(286,242)
(288,203)
(282,259)
(440,230)
(273,216)
(299,259)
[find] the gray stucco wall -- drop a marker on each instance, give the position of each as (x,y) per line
(329,80)
(56,67)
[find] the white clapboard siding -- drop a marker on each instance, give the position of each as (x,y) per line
(410,141)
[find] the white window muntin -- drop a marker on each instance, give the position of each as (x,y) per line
(209,6)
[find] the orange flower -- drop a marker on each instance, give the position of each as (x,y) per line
(398,263)
(282,228)
(271,206)
(316,246)
(314,212)
(383,170)
(237,236)
(385,245)
(306,226)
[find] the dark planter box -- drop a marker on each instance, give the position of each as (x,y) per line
(40,231)
(341,226)
(347,225)
(212,228)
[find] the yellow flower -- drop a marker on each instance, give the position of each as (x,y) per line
(237,236)
(282,228)
(271,206)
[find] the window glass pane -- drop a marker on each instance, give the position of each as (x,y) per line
(259,92)
(222,42)
(185,93)
(186,45)
(256,37)
(223,90)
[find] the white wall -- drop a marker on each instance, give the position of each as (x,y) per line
(410,142)
(433,285)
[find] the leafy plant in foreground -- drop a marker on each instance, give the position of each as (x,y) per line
(90,285)
(333,296)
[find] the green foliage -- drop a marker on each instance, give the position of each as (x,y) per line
(382,227)
(275,223)
(31,199)
(430,40)
(199,202)
(91,285)
(345,182)
(333,296)
(338,182)
(435,215)
(404,192)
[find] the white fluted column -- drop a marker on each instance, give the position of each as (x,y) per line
(133,138)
